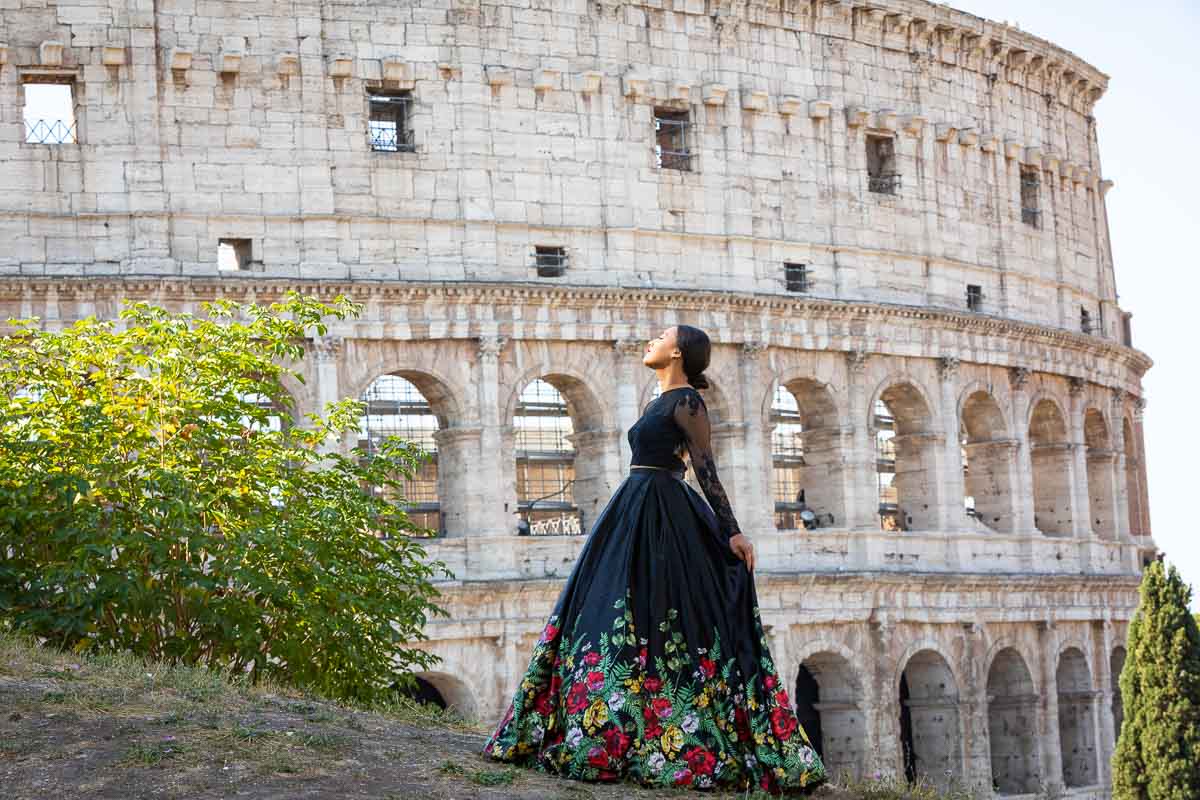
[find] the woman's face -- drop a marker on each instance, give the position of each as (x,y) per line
(660,350)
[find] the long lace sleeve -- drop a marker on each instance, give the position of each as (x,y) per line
(691,416)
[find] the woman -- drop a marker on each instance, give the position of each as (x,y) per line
(653,665)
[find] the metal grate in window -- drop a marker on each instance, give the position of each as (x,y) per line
(390,124)
(974,297)
(796,277)
(671,140)
(551,262)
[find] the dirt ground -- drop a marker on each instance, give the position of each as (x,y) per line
(113,727)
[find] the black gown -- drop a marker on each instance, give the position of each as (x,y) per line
(653,665)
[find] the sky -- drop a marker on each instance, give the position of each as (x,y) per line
(1148,122)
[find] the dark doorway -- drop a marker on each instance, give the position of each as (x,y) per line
(808,694)
(425,693)
(906,733)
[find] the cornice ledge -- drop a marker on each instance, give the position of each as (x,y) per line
(13,288)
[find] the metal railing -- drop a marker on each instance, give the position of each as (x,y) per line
(671,150)
(551,263)
(388,138)
(49,131)
(888,183)
(567,523)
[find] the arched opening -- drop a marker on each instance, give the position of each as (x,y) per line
(905,459)
(1012,724)
(1133,479)
(425,692)
(989,462)
(1101,486)
(396,407)
(930,734)
(828,705)
(806,457)
(452,692)
(1076,727)
(545,462)
(1052,469)
(1116,664)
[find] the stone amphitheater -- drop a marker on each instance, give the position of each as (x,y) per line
(888,215)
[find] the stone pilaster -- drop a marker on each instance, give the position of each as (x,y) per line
(862,483)
(756,510)
(1139,431)
(488,471)
(1117,433)
(327,353)
(977,760)
(627,355)
(1102,635)
(950,484)
(1018,378)
(1050,739)
(1080,507)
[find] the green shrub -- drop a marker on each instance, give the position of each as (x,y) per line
(147,503)
(1158,750)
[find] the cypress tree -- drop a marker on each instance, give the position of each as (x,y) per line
(1158,752)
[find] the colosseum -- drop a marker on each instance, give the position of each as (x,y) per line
(888,214)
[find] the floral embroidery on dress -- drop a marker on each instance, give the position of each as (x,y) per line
(608,709)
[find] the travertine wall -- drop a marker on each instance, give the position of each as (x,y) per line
(200,120)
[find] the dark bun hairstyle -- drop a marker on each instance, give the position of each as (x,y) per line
(693,343)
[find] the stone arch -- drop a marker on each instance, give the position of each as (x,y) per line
(907,443)
(443,394)
(578,390)
(454,692)
(1076,720)
(1133,478)
(1101,474)
(807,447)
(1012,702)
(829,704)
(930,728)
(989,459)
(1053,466)
(1116,665)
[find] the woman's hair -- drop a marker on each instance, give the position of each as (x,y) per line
(693,343)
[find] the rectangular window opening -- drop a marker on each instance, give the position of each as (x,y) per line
(882,174)
(50,112)
(671,139)
(551,262)
(1127,329)
(390,122)
(974,297)
(233,254)
(796,277)
(1031,184)
(1085,320)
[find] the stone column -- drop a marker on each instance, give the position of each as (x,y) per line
(327,355)
(1018,379)
(1080,506)
(882,702)
(458,455)
(488,471)
(861,484)
(951,488)
(1139,410)
(1051,739)
(1105,724)
(1117,435)
(756,512)
(627,355)
(977,757)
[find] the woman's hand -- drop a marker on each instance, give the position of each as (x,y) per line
(740,544)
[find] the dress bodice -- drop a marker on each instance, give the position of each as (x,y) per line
(675,421)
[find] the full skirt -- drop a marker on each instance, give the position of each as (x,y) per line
(653,665)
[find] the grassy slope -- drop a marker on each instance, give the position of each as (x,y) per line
(112,726)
